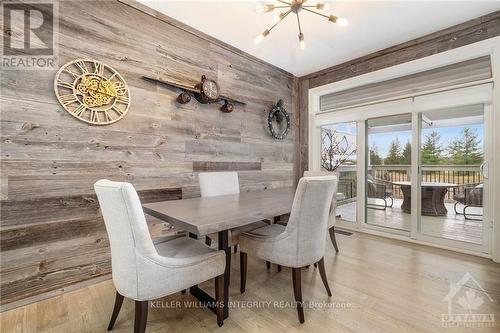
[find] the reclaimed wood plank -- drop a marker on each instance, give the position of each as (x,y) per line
(203,166)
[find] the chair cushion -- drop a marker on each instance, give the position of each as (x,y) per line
(269,230)
(236,232)
(177,265)
(183,247)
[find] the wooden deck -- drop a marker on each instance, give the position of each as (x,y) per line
(451,226)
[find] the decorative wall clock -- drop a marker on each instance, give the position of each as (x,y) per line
(92,91)
(279,116)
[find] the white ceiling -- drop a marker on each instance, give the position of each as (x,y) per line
(373,25)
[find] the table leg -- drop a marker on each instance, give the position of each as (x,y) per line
(224,245)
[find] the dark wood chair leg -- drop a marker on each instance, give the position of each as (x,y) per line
(116,310)
(279,268)
(334,240)
(208,241)
(268,264)
(141,316)
(219,299)
(297,291)
(243,271)
(235,248)
(321,266)
(224,245)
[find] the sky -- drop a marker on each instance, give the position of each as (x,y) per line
(383,140)
(448,134)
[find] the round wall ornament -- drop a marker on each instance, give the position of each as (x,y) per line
(92,91)
(281,118)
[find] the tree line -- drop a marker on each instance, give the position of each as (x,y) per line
(465,149)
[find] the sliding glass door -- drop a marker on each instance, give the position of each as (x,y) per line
(339,155)
(452,182)
(415,167)
(388,172)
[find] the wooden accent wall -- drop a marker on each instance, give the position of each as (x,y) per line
(52,232)
(469,32)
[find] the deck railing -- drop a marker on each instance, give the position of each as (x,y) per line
(456,174)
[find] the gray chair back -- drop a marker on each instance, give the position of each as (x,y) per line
(331,217)
(309,217)
(218,183)
(127,231)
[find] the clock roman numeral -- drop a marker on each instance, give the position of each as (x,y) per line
(98,68)
(79,110)
(64,84)
(107,117)
(94,116)
(67,70)
(117,110)
(122,99)
(83,68)
(68,99)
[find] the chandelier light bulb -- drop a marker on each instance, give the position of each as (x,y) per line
(264,8)
(342,21)
(301,41)
(322,6)
(260,37)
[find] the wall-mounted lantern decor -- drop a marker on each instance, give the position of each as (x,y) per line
(279,116)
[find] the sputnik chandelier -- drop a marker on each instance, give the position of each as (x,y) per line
(295,6)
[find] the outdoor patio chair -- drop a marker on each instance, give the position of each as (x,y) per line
(472,196)
(379,189)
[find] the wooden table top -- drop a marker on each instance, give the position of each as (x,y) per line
(427,184)
(213,214)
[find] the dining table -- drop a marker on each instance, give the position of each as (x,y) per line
(219,214)
(432,197)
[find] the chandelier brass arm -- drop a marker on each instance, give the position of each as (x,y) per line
(296,6)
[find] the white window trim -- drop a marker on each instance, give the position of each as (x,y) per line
(489,47)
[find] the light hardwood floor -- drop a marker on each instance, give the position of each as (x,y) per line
(383,285)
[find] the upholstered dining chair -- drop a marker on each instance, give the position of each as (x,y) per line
(331,217)
(301,242)
(143,271)
(225,183)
